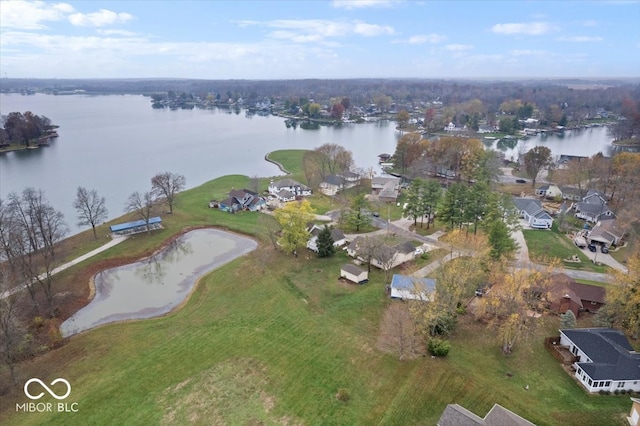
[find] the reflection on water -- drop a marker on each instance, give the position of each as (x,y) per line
(156,285)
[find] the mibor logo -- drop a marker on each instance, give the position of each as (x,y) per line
(59,389)
(47,388)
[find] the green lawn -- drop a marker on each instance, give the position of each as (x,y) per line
(269,339)
(547,245)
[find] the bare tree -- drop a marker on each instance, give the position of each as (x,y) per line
(142,205)
(32,228)
(398,334)
(90,207)
(166,185)
(11,331)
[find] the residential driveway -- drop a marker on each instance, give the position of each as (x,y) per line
(605,259)
(522,254)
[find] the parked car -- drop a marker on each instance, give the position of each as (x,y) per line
(592,247)
(604,249)
(521,181)
(479,292)
(375,214)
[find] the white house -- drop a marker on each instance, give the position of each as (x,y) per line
(354,274)
(333,184)
(605,359)
(412,288)
(531,210)
(288,189)
(549,191)
(381,256)
(337,235)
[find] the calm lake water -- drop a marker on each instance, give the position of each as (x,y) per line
(114,144)
(157,285)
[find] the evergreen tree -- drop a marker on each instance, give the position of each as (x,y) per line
(502,245)
(325,243)
(568,320)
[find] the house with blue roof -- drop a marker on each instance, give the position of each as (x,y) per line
(605,360)
(406,287)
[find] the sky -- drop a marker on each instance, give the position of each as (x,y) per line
(319,39)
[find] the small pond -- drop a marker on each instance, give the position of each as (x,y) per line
(158,284)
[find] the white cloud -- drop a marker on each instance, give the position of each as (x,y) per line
(580,39)
(99,19)
(361,4)
(458,47)
(123,33)
(528,52)
(31,15)
(423,39)
(528,28)
(318,30)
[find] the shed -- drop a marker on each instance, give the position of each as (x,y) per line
(354,274)
(407,287)
(136,226)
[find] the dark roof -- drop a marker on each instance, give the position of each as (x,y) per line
(353,269)
(562,283)
(337,235)
(529,205)
(288,183)
(334,180)
(130,225)
(456,415)
(612,356)
(405,247)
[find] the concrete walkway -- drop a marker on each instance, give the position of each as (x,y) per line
(67,265)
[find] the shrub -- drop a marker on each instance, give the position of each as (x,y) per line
(602,392)
(439,347)
(616,392)
(461,310)
(55,337)
(623,391)
(343,395)
(38,322)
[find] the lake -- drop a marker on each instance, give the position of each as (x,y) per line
(158,284)
(115,143)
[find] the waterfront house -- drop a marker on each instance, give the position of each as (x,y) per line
(288,189)
(386,188)
(242,199)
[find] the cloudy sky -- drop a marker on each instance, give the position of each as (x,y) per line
(319,39)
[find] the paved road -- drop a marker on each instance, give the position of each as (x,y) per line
(75,261)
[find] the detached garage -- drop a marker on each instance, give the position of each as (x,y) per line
(354,274)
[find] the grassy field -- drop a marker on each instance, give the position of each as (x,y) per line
(270,339)
(546,245)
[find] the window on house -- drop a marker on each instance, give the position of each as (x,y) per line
(593,303)
(590,382)
(621,384)
(607,383)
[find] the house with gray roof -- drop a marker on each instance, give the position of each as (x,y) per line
(314,230)
(382,256)
(457,415)
(530,209)
(605,359)
(606,232)
(593,207)
(288,189)
(386,188)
